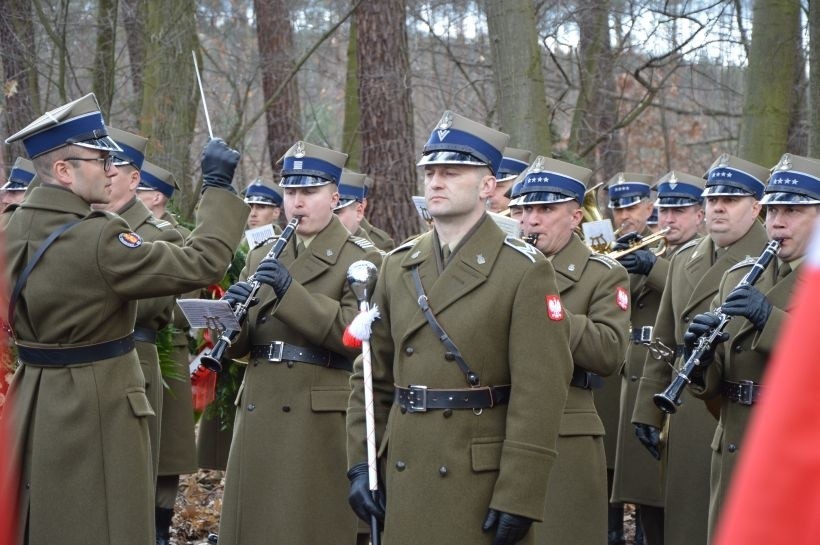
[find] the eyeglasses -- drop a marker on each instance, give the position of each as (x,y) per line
(106,161)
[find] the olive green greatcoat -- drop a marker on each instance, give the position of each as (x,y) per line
(152,314)
(177,449)
(381,239)
(576,508)
(693,280)
(637,477)
(213,438)
(444,469)
(80,432)
(743,357)
(285,480)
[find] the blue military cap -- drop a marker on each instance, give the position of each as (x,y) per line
(261,192)
(306,164)
(155,178)
(353,188)
(514,161)
(653,217)
(794,180)
(627,189)
(20,176)
(457,140)
(79,122)
(132,147)
(730,175)
(676,189)
(549,180)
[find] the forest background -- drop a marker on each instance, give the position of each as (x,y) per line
(615,85)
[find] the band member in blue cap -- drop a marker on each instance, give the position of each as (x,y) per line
(595,295)
(77,407)
(21,175)
(265,201)
(513,162)
(732,191)
(285,481)
(471,364)
(734,377)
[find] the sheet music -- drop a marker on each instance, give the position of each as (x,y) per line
(258,235)
(209,313)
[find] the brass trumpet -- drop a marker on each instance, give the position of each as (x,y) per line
(643,242)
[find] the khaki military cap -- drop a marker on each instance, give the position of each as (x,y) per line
(549,180)
(133,147)
(627,189)
(263,192)
(306,164)
(457,140)
(20,176)
(156,178)
(730,175)
(794,180)
(676,189)
(353,188)
(514,161)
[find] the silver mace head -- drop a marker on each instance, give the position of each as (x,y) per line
(361,276)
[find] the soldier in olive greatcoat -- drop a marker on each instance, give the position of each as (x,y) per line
(595,295)
(285,481)
(77,406)
(733,189)
(468,426)
(792,199)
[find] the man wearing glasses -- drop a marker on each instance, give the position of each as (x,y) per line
(77,409)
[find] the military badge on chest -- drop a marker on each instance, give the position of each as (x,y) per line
(132,240)
(554,309)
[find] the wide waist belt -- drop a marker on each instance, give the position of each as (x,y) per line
(418,399)
(61,357)
(146,335)
(744,392)
(585,379)
(278,351)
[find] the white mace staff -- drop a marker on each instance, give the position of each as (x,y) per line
(361,276)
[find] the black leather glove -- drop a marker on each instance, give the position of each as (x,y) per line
(623,242)
(218,163)
(359,496)
(510,529)
(702,324)
(638,262)
(275,275)
(749,302)
(239,293)
(650,437)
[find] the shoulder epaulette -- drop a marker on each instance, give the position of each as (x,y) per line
(362,243)
(605,259)
(102,214)
(406,245)
(745,263)
(160,224)
(522,247)
(688,245)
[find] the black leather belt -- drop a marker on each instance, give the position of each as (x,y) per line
(418,399)
(585,379)
(279,351)
(146,335)
(61,357)
(744,392)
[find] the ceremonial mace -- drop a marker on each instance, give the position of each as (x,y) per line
(361,276)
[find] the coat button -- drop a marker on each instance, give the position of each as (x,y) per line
(447,413)
(251,406)
(442,471)
(285,408)
(400,465)
(732,447)
(409,350)
(640,305)
(738,348)
(633,378)
(290,364)
(263,319)
(686,319)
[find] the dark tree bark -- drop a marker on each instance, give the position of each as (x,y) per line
(133,12)
(103,84)
(351,137)
(388,153)
(276,56)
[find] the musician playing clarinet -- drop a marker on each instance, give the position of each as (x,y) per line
(285,480)
(733,191)
(733,376)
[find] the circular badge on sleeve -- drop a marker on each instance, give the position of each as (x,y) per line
(131,240)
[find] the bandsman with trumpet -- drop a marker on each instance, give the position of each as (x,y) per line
(791,200)
(595,298)
(637,478)
(285,480)
(733,189)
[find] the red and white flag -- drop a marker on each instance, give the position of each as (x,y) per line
(775,493)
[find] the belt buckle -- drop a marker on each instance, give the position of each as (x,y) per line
(746,392)
(417,398)
(275,350)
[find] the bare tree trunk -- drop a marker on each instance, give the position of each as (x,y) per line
(610,155)
(276,55)
(133,12)
(387,115)
(170,97)
(814,79)
(770,81)
(19,72)
(524,112)
(103,84)
(351,137)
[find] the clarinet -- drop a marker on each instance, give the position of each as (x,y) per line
(213,359)
(669,400)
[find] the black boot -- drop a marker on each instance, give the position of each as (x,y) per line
(163,517)
(616,524)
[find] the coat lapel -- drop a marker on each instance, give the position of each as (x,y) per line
(569,264)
